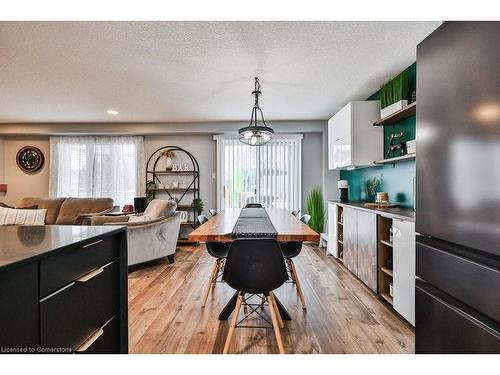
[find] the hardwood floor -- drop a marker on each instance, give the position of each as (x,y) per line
(342,316)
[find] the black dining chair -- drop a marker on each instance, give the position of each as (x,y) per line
(213,212)
(253,205)
(255,266)
(295,212)
(291,250)
(219,251)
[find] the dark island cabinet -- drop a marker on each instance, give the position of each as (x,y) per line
(70,296)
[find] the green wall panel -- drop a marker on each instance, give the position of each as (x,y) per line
(398,179)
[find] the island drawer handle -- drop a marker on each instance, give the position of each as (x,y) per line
(90,341)
(90,275)
(91,244)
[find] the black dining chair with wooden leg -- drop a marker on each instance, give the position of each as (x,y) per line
(255,266)
(219,251)
(291,250)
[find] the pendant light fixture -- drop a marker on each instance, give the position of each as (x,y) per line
(255,134)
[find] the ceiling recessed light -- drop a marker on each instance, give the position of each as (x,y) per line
(112,112)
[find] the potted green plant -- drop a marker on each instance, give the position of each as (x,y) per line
(316,208)
(198,205)
(150,186)
(394,94)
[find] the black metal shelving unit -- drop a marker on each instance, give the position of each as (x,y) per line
(184,196)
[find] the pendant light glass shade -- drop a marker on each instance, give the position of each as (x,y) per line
(255,134)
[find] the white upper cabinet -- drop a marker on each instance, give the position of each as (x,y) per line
(353,141)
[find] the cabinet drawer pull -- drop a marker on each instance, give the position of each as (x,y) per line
(90,341)
(91,244)
(90,275)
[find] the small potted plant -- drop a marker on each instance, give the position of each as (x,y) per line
(198,205)
(150,187)
(394,95)
(372,187)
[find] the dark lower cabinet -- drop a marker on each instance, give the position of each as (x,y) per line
(70,316)
(19,307)
(446,326)
(73,300)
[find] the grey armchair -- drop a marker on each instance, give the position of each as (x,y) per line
(151,239)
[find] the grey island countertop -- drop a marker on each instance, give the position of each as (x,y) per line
(394,212)
(23,242)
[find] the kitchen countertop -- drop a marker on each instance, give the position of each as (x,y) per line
(406,214)
(19,243)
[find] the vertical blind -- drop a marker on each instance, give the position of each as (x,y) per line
(100,167)
(270,174)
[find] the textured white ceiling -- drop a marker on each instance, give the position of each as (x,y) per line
(195,71)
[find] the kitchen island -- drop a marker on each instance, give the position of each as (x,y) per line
(63,289)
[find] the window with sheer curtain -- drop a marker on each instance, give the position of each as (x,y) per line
(98,167)
(270,174)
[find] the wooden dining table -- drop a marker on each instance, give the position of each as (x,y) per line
(220,227)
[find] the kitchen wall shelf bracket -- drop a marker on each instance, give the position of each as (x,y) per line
(397,159)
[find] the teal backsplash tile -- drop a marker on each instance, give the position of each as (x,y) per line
(397,181)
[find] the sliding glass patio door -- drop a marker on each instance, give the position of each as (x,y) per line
(270,174)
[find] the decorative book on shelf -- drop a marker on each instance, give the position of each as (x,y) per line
(173,173)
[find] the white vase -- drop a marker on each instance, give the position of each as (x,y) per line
(394,107)
(168,164)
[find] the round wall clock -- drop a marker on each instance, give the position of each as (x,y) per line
(30,159)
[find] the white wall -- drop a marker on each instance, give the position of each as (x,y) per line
(312,154)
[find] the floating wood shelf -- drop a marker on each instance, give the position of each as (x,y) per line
(397,159)
(188,223)
(386,270)
(388,243)
(387,297)
(398,116)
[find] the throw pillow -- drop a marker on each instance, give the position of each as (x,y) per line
(138,218)
(161,208)
(13,216)
(24,208)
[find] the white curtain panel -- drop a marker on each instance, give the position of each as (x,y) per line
(270,174)
(111,167)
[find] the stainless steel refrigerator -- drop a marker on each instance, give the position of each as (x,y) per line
(458,190)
